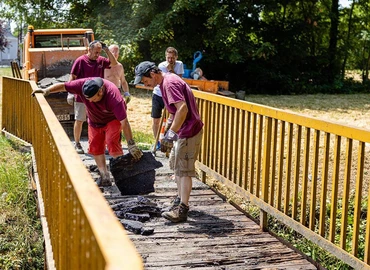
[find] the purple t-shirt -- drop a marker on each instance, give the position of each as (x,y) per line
(109,108)
(84,67)
(174,90)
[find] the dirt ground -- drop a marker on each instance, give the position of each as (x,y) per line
(139,110)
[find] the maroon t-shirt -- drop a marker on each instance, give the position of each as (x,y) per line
(84,67)
(174,90)
(109,108)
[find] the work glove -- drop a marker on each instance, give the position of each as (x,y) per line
(135,151)
(70,99)
(167,141)
(45,92)
(127,97)
(103,45)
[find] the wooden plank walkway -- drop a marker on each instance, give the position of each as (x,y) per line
(216,235)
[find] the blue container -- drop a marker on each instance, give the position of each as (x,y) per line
(187,73)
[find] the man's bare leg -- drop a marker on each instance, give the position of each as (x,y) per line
(186,184)
(102,167)
(155,126)
(77,130)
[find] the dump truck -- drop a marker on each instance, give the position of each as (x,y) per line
(51,52)
(47,58)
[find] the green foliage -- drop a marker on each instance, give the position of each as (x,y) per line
(21,241)
(269,47)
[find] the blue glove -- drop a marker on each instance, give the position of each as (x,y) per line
(167,141)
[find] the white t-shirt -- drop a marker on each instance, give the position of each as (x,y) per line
(179,69)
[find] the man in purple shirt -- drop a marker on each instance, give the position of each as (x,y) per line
(87,65)
(106,111)
(186,128)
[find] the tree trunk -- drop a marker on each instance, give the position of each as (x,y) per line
(347,41)
(366,76)
(334,22)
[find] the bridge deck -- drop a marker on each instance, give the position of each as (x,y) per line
(216,235)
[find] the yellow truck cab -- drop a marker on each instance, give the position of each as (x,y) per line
(51,52)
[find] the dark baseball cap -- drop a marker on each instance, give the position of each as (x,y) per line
(141,69)
(91,87)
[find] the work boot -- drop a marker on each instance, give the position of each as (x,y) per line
(175,202)
(178,214)
(79,149)
(104,180)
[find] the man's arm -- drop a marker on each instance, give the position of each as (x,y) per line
(180,115)
(171,135)
(72,77)
(124,83)
(112,59)
(126,128)
(55,88)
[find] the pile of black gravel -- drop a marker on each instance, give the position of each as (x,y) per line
(46,82)
(135,212)
(134,177)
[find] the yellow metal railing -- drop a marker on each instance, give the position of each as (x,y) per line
(309,174)
(83,231)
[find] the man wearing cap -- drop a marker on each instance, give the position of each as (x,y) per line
(91,64)
(186,129)
(106,111)
(170,65)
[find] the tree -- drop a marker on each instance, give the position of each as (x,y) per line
(275,46)
(333,68)
(3,41)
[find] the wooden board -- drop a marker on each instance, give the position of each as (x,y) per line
(211,86)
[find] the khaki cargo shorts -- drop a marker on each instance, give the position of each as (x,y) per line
(80,111)
(184,154)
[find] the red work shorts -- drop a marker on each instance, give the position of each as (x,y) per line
(109,136)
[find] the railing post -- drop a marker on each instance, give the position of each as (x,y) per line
(266,170)
(203,177)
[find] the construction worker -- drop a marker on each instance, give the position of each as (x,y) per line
(170,65)
(87,65)
(186,130)
(106,111)
(116,74)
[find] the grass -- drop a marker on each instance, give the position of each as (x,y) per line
(6,71)
(21,240)
(144,140)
